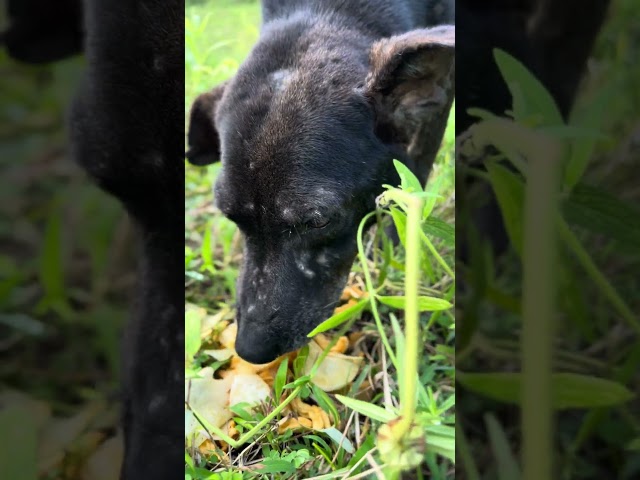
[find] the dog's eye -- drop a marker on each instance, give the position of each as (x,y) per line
(317,220)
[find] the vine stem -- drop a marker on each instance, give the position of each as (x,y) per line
(372,291)
(408,386)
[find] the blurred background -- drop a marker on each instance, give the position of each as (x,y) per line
(594,336)
(66,278)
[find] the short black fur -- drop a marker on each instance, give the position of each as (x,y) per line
(307,130)
(126,126)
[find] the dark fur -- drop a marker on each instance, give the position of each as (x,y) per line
(41,31)
(480,85)
(126,125)
(332,92)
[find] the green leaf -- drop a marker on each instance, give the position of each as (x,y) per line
(570,390)
(441,439)
(480,113)
(435,227)
(242,410)
(570,132)
(51,269)
(188,460)
(206,249)
(581,151)
(340,317)
(398,336)
(192,326)
(425,304)
(324,402)
(299,362)
(431,196)
(508,468)
(634,445)
(600,212)
(530,97)
(408,181)
(509,190)
(368,409)
(366,446)
(400,221)
(320,443)
(23,323)
(276,465)
(280,379)
(298,381)
(336,435)
(447,404)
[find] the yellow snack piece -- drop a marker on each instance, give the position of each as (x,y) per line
(341,345)
(207,447)
(352,291)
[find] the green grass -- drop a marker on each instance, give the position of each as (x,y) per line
(408,318)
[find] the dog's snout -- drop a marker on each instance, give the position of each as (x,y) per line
(255,341)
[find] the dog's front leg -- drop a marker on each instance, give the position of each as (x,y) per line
(127,133)
(153,380)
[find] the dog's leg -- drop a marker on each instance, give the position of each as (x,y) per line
(565,40)
(127,129)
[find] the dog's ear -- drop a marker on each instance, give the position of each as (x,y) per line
(203,138)
(411,84)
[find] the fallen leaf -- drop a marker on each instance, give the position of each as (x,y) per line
(335,371)
(243,382)
(248,388)
(227,337)
(209,398)
(220,355)
(211,322)
(106,461)
(59,434)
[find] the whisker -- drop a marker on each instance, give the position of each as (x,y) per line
(331,304)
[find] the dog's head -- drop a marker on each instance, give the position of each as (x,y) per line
(306,146)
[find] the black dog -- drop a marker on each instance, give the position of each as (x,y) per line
(307,130)
(127,128)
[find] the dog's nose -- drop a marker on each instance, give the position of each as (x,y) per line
(255,345)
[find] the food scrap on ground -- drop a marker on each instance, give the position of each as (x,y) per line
(241,382)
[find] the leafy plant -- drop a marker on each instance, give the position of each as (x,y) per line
(541,191)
